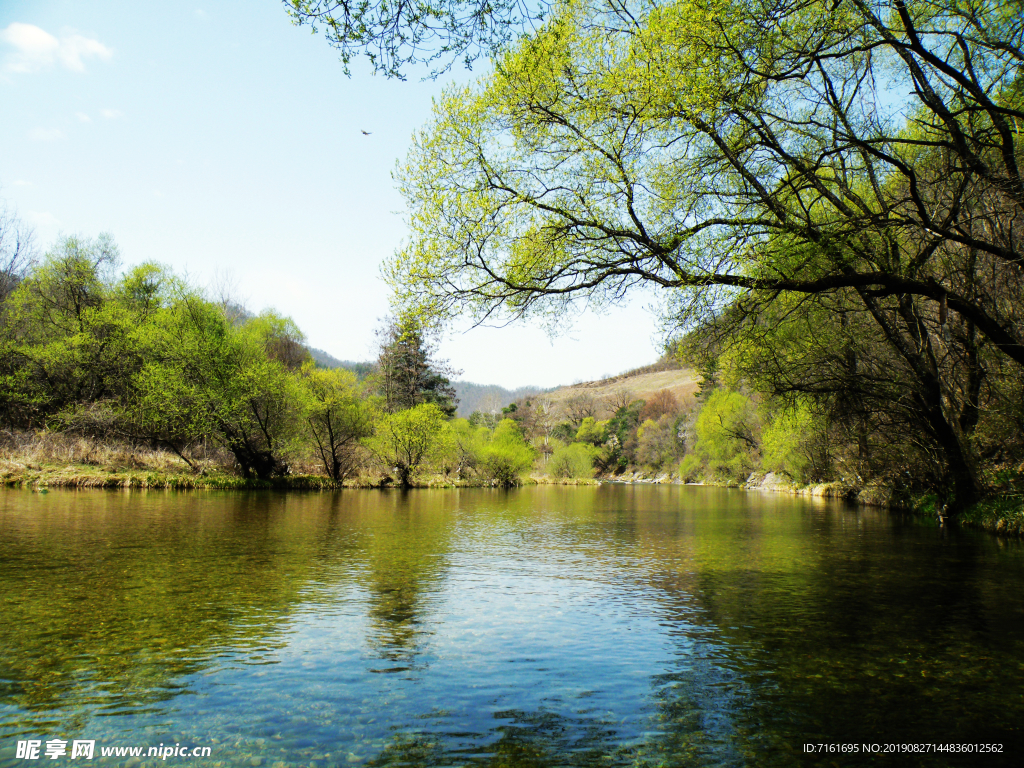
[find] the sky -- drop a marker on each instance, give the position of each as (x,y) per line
(226,143)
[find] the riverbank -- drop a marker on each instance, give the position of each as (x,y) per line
(81,475)
(90,476)
(1000,515)
(1003,515)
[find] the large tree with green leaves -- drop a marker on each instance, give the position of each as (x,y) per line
(861,154)
(336,417)
(207,377)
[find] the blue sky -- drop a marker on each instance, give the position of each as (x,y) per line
(225,142)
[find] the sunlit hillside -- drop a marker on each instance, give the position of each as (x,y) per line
(609,394)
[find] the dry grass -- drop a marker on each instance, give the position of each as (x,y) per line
(33,450)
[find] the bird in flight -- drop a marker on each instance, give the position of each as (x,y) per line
(365,133)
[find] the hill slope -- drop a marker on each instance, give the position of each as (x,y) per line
(640,384)
(487,398)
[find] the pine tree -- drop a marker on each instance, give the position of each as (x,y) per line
(407,374)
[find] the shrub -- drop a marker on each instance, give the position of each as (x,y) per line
(790,444)
(592,431)
(657,442)
(691,468)
(572,461)
(506,456)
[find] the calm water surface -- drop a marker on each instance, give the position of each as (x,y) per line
(604,626)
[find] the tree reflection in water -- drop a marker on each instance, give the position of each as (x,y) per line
(546,626)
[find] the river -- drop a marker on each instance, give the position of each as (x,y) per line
(585,626)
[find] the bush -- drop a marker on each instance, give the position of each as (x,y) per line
(592,431)
(506,456)
(691,468)
(572,461)
(657,442)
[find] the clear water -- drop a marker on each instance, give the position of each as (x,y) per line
(547,626)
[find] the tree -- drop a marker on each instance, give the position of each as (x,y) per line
(620,398)
(206,376)
(336,417)
(726,439)
(402,440)
(457,449)
(394,36)
(657,442)
(575,460)
(406,373)
(17,252)
(791,444)
(72,338)
(661,403)
(592,431)
(506,455)
(621,443)
(734,153)
(578,406)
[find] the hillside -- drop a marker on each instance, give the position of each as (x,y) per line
(327,360)
(608,394)
(487,398)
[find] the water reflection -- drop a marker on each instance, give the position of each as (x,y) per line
(547,626)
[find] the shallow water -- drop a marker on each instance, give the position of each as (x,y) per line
(606,626)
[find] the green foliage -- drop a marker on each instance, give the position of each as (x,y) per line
(395,37)
(619,450)
(404,439)
(406,373)
(72,340)
(564,432)
(592,431)
(826,238)
(506,455)
(336,417)
(481,419)
(458,446)
(725,434)
(207,376)
(691,468)
(657,442)
(573,461)
(625,421)
(790,443)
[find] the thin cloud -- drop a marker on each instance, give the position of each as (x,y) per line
(35,49)
(112,114)
(83,117)
(46,134)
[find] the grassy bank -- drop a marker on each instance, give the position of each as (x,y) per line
(56,460)
(164,472)
(87,476)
